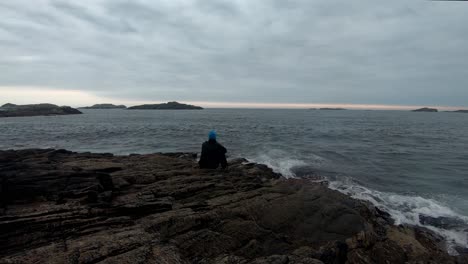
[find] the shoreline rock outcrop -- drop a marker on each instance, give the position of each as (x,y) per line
(58,206)
(12,110)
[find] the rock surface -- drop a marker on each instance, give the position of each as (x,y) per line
(63,207)
(12,110)
(426,109)
(104,106)
(166,106)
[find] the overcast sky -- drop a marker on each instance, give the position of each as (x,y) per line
(399,52)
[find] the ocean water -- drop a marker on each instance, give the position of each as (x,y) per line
(412,165)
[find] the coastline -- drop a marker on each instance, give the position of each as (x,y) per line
(59,205)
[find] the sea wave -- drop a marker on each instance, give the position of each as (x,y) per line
(280,161)
(412,210)
(404,209)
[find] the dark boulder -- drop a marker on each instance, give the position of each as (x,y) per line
(443,222)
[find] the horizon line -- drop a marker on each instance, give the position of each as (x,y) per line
(348,106)
(78,98)
(250,105)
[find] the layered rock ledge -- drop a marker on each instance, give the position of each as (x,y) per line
(64,207)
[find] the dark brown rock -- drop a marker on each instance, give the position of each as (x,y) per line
(63,207)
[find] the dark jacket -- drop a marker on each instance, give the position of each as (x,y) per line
(213,154)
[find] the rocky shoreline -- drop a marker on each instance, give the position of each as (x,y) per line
(59,206)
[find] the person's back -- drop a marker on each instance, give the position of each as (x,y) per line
(213,154)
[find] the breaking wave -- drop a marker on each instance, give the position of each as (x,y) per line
(413,210)
(279,161)
(404,209)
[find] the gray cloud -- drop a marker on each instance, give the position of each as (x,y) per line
(380,52)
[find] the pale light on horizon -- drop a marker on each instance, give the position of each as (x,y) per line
(78,98)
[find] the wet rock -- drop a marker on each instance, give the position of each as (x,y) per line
(59,206)
(442,222)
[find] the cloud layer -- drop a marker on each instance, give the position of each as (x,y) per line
(276,51)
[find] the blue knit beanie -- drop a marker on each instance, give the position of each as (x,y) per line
(212,135)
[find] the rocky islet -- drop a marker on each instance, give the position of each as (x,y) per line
(166,106)
(104,106)
(12,110)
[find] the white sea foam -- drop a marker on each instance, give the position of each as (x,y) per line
(280,161)
(402,208)
(408,209)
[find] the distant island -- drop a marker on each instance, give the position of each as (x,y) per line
(165,106)
(426,109)
(460,111)
(104,106)
(334,109)
(12,110)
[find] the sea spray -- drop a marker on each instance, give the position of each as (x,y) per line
(410,210)
(404,209)
(280,161)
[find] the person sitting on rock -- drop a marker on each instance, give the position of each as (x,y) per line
(213,154)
